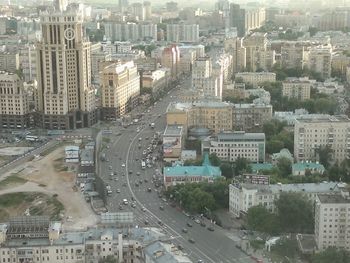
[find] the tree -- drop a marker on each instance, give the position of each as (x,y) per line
(284,167)
(331,254)
(261,219)
(274,146)
(241,165)
(108,259)
(295,213)
(226,170)
(214,159)
(324,155)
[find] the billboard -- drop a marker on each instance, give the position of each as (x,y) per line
(256,179)
(117,218)
(171,146)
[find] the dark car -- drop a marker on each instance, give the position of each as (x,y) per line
(180,247)
(149,190)
(146,222)
(160,222)
(161,208)
(191,240)
(210,228)
(189,224)
(184,230)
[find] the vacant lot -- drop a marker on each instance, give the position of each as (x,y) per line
(25,203)
(49,175)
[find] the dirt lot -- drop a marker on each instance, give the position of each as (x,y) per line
(49,175)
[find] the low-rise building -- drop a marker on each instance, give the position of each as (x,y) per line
(160,252)
(283,153)
(179,174)
(72,154)
(172,142)
(229,146)
(297,88)
(256,78)
(244,196)
(36,239)
(303,168)
(87,157)
(331,221)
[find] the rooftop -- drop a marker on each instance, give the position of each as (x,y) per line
(240,136)
(161,252)
(173,130)
(325,118)
(302,166)
(333,199)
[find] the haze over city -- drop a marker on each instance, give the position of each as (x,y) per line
(174,131)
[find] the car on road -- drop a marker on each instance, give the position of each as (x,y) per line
(133,205)
(146,222)
(180,247)
(110,167)
(136,184)
(143,209)
(149,189)
(210,228)
(160,222)
(191,240)
(130,171)
(189,224)
(123,165)
(197,221)
(138,173)
(118,191)
(121,207)
(184,230)
(124,184)
(161,207)
(132,198)
(146,181)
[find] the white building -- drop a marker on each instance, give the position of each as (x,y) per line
(246,195)
(312,133)
(229,146)
(332,226)
(117,31)
(183,33)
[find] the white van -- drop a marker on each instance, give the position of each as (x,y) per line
(125,201)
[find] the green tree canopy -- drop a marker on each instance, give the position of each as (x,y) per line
(260,219)
(295,213)
(226,170)
(284,166)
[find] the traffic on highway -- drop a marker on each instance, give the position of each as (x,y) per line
(131,168)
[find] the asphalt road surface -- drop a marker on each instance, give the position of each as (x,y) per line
(129,181)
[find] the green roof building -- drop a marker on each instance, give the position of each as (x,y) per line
(191,174)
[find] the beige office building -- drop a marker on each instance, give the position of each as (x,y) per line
(250,116)
(66,98)
(170,58)
(215,116)
(14,102)
(332,223)
(120,87)
(256,78)
(297,88)
(312,133)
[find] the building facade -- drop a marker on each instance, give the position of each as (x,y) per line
(229,146)
(66,97)
(256,78)
(14,102)
(310,134)
(295,88)
(332,214)
(120,86)
(246,195)
(320,60)
(170,58)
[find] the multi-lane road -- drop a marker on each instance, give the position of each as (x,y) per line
(124,158)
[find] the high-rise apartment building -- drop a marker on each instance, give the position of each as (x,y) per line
(14,102)
(123,5)
(320,60)
(117,31)
(332,212)
(310,134)
(234,46)
(66,98)
(293,54)
(138,11)
(120,85)
(204,80)
(171,59)
(246,19)
(148,10)
(183,33)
